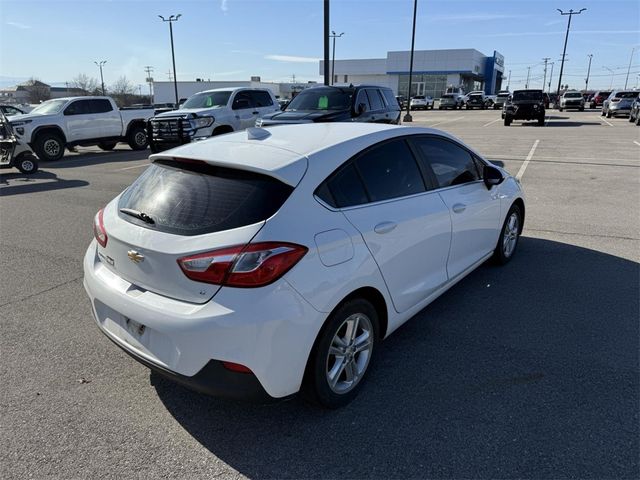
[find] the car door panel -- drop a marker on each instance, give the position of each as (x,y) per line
(475,219)
(80,124)
(409,239)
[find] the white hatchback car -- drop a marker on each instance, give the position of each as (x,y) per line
(260,263)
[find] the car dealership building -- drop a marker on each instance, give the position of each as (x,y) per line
(433,71)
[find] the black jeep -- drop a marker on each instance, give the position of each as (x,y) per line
(525,105)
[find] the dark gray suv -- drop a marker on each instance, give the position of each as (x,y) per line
(361,103)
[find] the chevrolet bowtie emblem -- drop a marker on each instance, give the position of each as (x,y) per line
(134,256)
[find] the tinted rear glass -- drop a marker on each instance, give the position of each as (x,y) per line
(197,198)
(527,95)
(626,94)
(573,95)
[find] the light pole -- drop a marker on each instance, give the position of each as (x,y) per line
(100,64)
(171,19)
(544,80)
(408,117)
(326,41)
(526,87)
(629,67)
(551,76)
(586,83)
(571,13)
(333,59)
(610,71)
(509,81)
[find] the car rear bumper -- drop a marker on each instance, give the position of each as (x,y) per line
(270,330)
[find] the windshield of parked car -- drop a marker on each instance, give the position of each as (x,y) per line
(527,95)
(573,95)
(448,96)
(49,107)
(503,95)
(419,97)
(321,99)
(626,94)
(207,100)
(475,96)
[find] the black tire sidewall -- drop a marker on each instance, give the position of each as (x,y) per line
(39,144)
(34,162)
(107,146)
(132,136)
(315,387)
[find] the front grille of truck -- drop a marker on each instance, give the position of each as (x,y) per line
(170,129)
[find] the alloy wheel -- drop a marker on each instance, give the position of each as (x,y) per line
(510,237)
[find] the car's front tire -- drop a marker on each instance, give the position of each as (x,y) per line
(507,121)
(137,138)
(49,146)
(342,354)
(509,236)
(27,164)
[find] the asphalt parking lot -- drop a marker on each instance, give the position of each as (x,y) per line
(530,370)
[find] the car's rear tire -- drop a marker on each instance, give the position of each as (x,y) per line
(507,121)
(581,109)
(26,163)
(608,114)
(603,113)
(560,109)
(107,146)
(509,236)
(137,138)
(342,353)
(541,121)
(49,146)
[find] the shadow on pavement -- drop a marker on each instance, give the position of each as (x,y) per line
(96,158)
(18,183)
(529,370)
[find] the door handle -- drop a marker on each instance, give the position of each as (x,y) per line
(459,208)
(384,227)
(255,113)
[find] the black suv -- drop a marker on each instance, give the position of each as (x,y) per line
(525,105)
(362,103)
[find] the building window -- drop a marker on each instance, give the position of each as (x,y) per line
(345,78)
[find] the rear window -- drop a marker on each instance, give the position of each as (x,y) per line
(573,95)
(528,95)
(626,94)
(447,96)
(197,198)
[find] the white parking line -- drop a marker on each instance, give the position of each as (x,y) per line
(135,166)
(492,121)
(608,123)
(447,121)
(527,160)
(637,143)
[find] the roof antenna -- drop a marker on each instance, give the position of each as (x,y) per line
(256,133)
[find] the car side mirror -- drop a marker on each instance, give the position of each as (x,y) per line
(492,176)
(361,108)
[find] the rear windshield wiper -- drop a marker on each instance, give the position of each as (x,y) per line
(141,215)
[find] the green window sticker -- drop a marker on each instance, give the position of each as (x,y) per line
(323,102)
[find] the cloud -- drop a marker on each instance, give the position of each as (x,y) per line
(19,25)
(224,5)
(560,32)
(291,58)
(553,22)
(470,17)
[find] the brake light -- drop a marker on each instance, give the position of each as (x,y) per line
(99,232)
(236,367)
(253,265)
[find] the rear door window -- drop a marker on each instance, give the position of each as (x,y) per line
(100,105)
(195,198)
(261,98)
(390,171)
(374,99)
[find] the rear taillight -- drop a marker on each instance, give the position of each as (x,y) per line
(253,265)
(236,367)
(98,229)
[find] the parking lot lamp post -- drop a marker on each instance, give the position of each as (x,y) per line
(571,13)
(586,83)
(100,64)
(171,19)
(333,57)
(526,87)
(629,67)
(408,117)
(509,81)
(326,42)
(611,72)
(551,76)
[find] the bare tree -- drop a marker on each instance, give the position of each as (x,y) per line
(38,91)
(123,92)
(86,85)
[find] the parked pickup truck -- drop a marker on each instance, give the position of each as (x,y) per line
(67,122)
(208,113)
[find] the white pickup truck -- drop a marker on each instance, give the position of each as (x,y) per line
(209,113)
(67,122)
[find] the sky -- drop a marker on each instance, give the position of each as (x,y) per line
(55,40)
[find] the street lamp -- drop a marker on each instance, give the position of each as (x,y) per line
(333,60)
(610,71)
(571,13)
(586,83)
(629,68)
(171,19)
(408,117)
(100,64)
